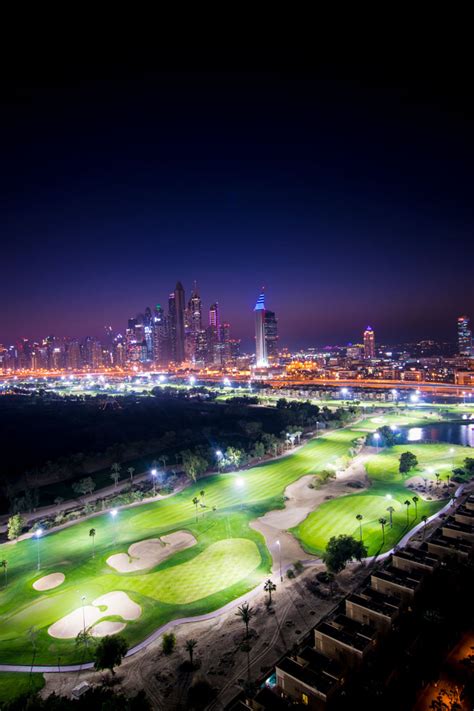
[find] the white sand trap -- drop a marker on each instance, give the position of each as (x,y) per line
(69,626)
(116,603)
(48,582)
(147,554)
(101,629)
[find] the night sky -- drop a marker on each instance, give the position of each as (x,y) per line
(347,192)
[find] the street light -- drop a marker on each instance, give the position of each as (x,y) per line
(83,597)
(239,482)
(113,513)
(279,552)
(154,474)
(192,380)
(226,383)
(38,533)
(388,496)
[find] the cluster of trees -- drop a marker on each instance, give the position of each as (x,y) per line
(305,414)
(340,550)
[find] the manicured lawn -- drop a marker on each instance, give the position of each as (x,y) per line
(339,515)
(14,685)
(229,558)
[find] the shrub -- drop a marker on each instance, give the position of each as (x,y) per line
(290,573)
(169,642)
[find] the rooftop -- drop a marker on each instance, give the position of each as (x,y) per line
(387,605)
(349,632)
(399,577)
(313,678)
(418,556)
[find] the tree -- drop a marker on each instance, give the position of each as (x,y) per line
(15,526)
(193,464)
(190,644)
(163,459)
(407,504)
(115,470)
(359,517)
(92,535)
(269,587)
(469,465)
(84,486)
(383,523)
(415,500)
(196,502)
(387,435)
(391,511)
(437,478)
(168,643)
(258,451)
(407,461)
(342,549)
(424,518)
(109,652)
(58,500)
(131,472)
(245,612)
(84,638)
(4,565)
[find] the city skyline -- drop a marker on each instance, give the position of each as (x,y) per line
(334,192)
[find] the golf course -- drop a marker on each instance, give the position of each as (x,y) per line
(196,556)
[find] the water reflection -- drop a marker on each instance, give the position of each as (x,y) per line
(452,433)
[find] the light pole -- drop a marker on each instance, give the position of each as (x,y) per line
(83,597)
(38,533)
(279,555)
(192,380)
(154,474)
(113,513)
(219,456)
(240,483)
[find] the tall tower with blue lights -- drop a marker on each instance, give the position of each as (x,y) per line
(261,359)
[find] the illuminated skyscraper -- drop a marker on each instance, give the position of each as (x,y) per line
(464,336)
(369,343)
(271,334)
(179,323)
(261,360)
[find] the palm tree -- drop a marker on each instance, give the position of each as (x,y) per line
(407,504)
(190,644)
(415,500)
(92,535)
(115,472)
(269,587)
(383,523)
(131,471)
(437,478)
(196,502)
(359,517)
(391,511)
(163,460)
(425,521)
(201,494)
(245,612)
(4,565)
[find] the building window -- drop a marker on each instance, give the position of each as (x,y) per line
(305,699)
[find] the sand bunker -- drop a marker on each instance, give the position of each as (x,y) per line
(101,629)
(116,603)
(48,582)
(147,554)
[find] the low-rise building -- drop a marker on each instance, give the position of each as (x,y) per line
(344,640)
(464,514)
(410,559)
(373,608)
(308,678)
(454,529)
(445,547)
(393,581)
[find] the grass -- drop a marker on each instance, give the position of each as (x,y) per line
(229,559)
(388,488)
(13,685)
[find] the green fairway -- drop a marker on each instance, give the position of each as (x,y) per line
(229,558)
(388,488)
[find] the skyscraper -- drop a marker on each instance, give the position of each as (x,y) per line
(369,343)
(271,334)
(161,340)
(261,360)
(464,336)
(179,323)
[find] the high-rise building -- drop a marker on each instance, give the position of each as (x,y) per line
(464,336)
(179,323)
(271,334)
(73,355)
(161,338)
(261,359)
(369,343)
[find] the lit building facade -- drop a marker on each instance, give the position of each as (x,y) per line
(464,336)
(369,343)
(261,360)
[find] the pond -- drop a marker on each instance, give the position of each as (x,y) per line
(453,433)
